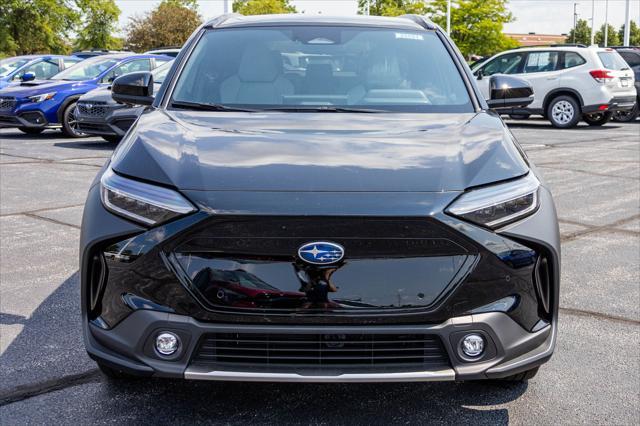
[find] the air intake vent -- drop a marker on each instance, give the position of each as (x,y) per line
(543,283)
(315,350)
(97,277)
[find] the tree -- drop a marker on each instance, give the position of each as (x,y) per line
(32,26)
(634,34)
(262,7)
(392,7)
(476,25)
(169,24)
(101,18)
(581,34)
(612,36)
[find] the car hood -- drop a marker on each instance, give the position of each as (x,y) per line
(102,94)
(36,87)
(335,152)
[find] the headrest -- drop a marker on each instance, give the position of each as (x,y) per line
(259,64)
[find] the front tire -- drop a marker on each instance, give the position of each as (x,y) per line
(627,116)
(70,123)
(112,138)
(31,130)
(597,119)
(563,112)
(519,116)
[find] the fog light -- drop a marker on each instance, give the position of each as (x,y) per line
(472,345)
(167,343)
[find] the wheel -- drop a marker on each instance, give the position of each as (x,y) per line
(69,122)
(31,130)
(627,116)
(114,374)
(563,112)
(112,138)
(519,116)
(521,377)
(597,119)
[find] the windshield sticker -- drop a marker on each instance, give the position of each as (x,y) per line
(409,36)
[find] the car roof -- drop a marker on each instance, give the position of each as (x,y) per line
(121,56)
(235,20)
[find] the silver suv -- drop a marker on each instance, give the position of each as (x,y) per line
(569,82)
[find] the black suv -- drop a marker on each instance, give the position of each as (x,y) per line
(631,54)
(320,199)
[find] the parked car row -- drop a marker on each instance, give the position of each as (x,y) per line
(570,82)
(33,100)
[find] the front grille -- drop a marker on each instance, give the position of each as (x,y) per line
(315,350)
(7,104)
(9,119)
(89,127)
(93,109)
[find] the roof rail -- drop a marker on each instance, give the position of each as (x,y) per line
(551,45)
(217,21)
(423,21)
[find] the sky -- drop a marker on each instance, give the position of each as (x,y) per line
(539,16)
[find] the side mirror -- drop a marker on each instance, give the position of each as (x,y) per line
(506,91)
(479,74)
(28,76)
(135,88)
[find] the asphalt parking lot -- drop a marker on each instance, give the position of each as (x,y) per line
(594,376)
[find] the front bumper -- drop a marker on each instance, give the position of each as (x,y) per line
(510,350)
(116,121)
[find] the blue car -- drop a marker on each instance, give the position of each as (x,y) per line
(31,67)
(33,106)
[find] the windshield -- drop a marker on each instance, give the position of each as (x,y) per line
(7,66)
(86,70)
(322,67)
(160,73)
(613,61)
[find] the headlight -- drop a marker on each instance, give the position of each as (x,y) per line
(148,204)
(43,97)
(497,205)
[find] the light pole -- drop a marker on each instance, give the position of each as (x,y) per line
(627,27)
(449,17)
(226,6)
(606,22)
(575,21)
(593,21)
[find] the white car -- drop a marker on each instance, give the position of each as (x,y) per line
(569,82)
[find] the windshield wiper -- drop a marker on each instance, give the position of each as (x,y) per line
(322,108)
(209,107)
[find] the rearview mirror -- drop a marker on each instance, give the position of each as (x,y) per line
(28,76)
(135,88)
(506,91)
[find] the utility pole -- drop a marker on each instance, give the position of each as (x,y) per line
(606,22)
(575,21)
(449,17)
(367,7)
(627,27)
(226,6)
(593,20)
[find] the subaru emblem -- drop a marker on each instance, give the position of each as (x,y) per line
(321,253)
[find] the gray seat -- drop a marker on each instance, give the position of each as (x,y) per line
(318,80)
(259,79)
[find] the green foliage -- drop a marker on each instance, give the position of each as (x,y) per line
(582,33)
(262,7)
(100,18)
(476,25)
(634,34)
(392,7)
(169,24)
(612,36)
(32,26)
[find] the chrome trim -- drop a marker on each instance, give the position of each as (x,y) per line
(204,373)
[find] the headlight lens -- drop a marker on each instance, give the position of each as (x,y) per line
(144,203)
(43,97)
(497,205)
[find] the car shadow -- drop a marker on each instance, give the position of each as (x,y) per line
(99,144)
(544,124)
(17,135)
(50,346)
